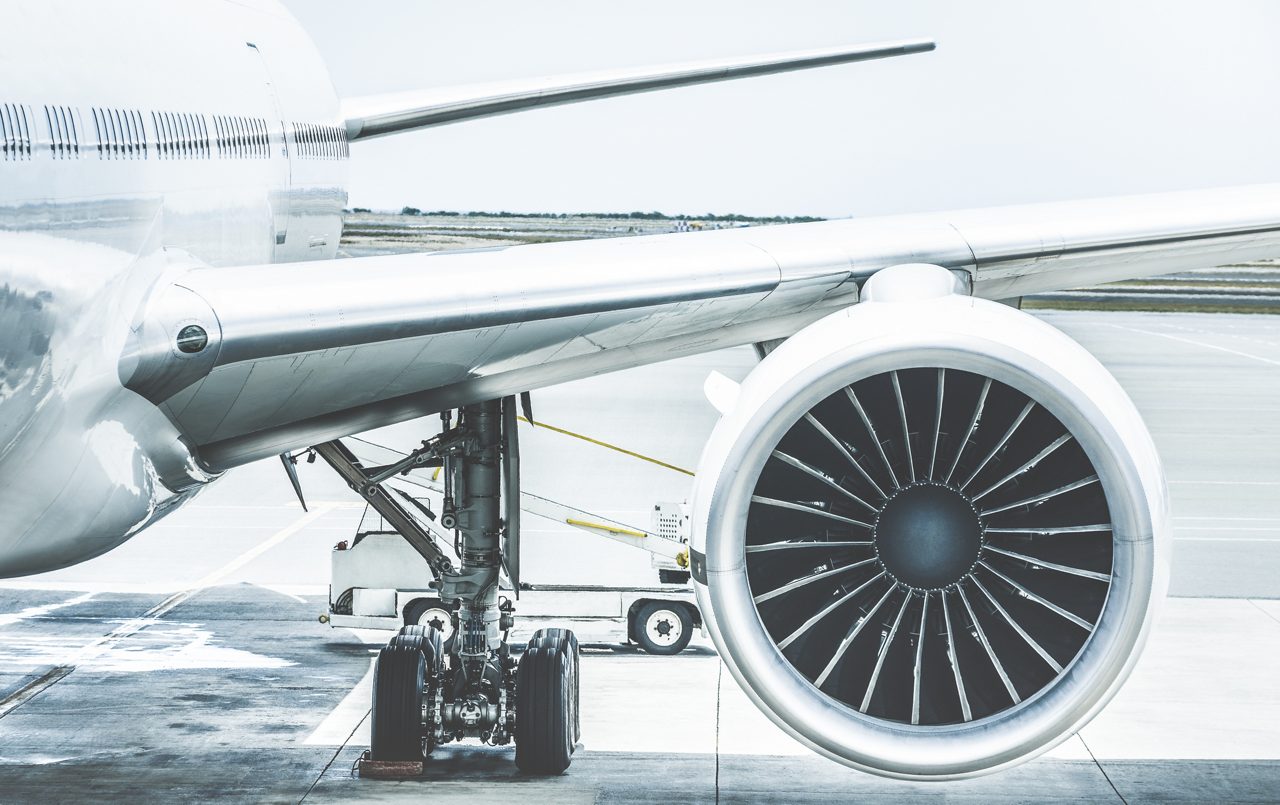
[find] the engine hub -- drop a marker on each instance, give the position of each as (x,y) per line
(928,536)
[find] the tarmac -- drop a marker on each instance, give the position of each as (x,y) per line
(189,664)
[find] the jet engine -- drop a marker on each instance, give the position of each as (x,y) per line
(930,532)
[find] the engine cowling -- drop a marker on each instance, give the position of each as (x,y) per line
(930,533)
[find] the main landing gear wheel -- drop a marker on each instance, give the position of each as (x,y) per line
(398,680)
(545,708)
(663,628)
(566,641)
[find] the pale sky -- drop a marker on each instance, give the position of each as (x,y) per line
(1022,101)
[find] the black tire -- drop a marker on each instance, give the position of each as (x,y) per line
(429,634)
(544,728)
(420,642)
(566,642)
(662,627)
(396,726)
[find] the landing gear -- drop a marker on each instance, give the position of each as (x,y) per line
(429,690)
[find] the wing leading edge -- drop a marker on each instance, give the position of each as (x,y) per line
(304,352)
(380,115)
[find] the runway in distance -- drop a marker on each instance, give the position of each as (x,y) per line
(929,531)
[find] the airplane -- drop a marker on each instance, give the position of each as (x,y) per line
(929,531)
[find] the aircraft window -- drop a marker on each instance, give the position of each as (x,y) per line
(126,133)
(64,136)
(124,147)
(15,132)
(61,139)
(110,131)
(141,126)
(69,126)
(130,136)
(24,128)
(171,135)
(7,140)
(162,134)
(155,123)
(54,145)
(184,135)
(204,136)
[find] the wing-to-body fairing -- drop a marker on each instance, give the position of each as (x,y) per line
(929,531)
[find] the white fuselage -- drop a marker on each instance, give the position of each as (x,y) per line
(136,140)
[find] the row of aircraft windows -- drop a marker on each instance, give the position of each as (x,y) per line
(16,122)
(125,134)
(321,142)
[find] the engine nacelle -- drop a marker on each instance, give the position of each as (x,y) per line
(930,534)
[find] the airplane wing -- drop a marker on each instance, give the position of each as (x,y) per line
(380,115)
(304,352)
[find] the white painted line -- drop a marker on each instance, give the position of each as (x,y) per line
(1232,519)
(1196,343)
(102,645)
(1229,483)
(262,547)
(344,719)
(1225,528)
(1225,539)
(44,609)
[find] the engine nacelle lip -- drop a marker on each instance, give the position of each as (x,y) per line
(957,333)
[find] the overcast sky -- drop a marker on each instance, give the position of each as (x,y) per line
(1021,102)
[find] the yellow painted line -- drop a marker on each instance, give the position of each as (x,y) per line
(608,446)
(630,532)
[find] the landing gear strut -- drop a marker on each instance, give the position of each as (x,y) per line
(428,691)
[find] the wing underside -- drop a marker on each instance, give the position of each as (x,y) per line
(304,352)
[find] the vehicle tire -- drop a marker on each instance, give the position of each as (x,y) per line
(420,641)
(662,627)
(544,729)
(396,720)
(567,642)
(429,612)
(430,634)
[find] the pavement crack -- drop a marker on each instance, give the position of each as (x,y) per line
(719,676)
(1105,776)
(333,759)
(1263,611)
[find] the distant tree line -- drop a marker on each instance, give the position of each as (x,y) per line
(616,216)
